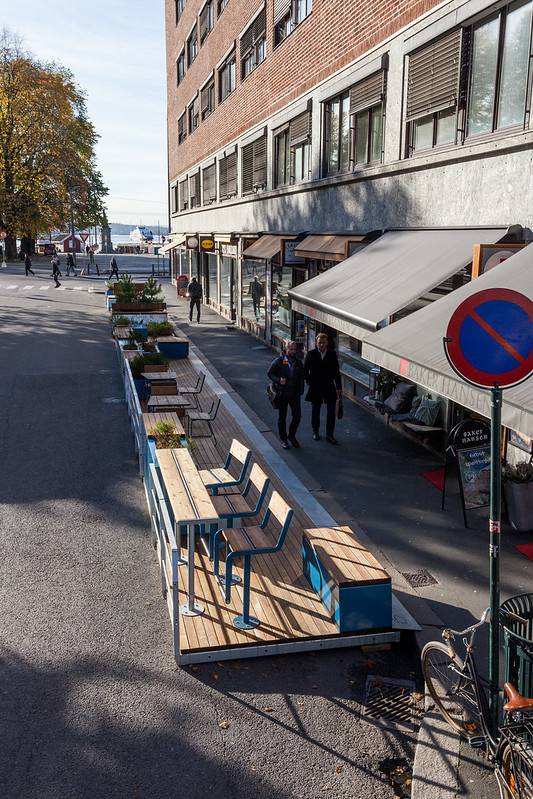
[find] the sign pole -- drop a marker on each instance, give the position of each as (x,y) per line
(494,550)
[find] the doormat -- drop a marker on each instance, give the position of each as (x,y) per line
(435,477)
(525,549)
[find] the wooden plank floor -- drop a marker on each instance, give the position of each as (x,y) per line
(281,597)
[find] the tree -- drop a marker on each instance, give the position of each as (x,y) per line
(46,148)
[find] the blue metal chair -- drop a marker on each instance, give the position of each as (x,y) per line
(231,508)
(217,478)
(246,542)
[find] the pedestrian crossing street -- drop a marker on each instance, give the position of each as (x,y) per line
(13,288)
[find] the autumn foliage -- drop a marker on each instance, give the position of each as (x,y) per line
(46,148)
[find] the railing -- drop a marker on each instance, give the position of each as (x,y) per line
(136,418)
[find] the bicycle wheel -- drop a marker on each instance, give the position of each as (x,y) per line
(506,775)
(452,689)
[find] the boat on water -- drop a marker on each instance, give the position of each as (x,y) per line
(141,234)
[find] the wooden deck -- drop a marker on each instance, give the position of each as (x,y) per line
(289,610)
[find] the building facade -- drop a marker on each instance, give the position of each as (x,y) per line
(301,130)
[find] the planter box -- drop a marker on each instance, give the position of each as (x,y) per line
(172,347)
(127,308)
(139,386)
(142,318)
(519,500)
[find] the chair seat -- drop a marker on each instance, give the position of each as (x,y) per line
(244,539)
(230,505)
(216,477)
(200,416)
(189,390)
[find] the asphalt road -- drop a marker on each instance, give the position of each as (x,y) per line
(91,702)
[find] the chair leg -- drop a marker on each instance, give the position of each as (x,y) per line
(246,622)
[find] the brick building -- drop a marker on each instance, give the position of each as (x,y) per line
(301,132)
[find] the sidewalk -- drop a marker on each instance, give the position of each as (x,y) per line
(374,470)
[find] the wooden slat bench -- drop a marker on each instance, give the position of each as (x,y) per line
(351,583)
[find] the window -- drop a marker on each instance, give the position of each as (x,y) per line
(227,77)
(287,15)
(227,176)
(174,198)
(254,165)
(182,129)
(194,191)
(499,59)
(221,5)
(192,46)
(209,181)
(207,20)
(180,5)
(338,134)
(253,45)
(432,105)
(184,195)
(207,99)
(194,115)
(180,67)
(367,132)
(292,151)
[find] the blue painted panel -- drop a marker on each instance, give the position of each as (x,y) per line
(174,349)
(139,386)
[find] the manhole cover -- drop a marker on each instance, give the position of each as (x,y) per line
(420,578)
(393,700)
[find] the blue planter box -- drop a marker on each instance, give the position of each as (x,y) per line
(139,386)
(179,348)
(352,606)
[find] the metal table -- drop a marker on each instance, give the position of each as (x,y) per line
(156,377)
(192,506)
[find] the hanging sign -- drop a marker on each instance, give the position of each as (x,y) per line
(207,243)
(192,242)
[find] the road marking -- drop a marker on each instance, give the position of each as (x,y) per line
(44,288)
(14,286)
(27,288)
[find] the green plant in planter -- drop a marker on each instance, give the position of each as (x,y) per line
(149,346)
(152,291)
(130,346)
(138,363)
(518,472)
(125,289)
(137,335)
(157,329)
(167,437)
(122,321)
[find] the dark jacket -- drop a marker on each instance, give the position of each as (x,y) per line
(195,290)
(322,375)
(293,374)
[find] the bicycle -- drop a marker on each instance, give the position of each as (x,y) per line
(460,694)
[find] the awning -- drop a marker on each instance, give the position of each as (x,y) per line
(175,241)
(387,276)
(266,246)
(328,248)
(413,348)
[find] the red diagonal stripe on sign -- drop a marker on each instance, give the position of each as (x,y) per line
(496,336)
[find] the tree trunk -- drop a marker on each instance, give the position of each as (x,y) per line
(10,244)
(27,245)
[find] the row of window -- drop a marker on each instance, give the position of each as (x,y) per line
(471,82)
(252,51)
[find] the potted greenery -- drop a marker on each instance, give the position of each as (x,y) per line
(135,298)
(518,490)
(167,437)
(158,329)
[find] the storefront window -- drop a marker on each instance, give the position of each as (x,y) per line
(226,281)
(254,291)
(213,278)
(194,264)
(281,304)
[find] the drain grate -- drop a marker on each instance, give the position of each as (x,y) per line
(420,578)
(394,701)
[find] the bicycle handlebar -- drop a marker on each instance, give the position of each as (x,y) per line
(486,613)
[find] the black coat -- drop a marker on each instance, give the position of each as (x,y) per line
(322,375)
(195,290)
(294,376)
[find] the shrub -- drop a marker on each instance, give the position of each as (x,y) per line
(149,346)
(122,321)
(156,329)
(166,436)
(152,291)
(125,289)
(519,472)
(138,363)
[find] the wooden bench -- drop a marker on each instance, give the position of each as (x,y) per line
(151,419)
(351,583)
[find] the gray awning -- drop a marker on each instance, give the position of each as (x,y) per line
(413,348)
(266,247)
(176,240)
(329,248)
(387,276)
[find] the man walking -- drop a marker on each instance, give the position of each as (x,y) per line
(27,265)
(194,290)
(113,268)
(70,265)
(55,270)
(287,374)
(322,375)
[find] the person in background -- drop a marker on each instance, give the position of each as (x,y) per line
(70,265)
(87,250)
(322,375)
(56,273)
(27,265)
(113,268)
(256,290)
(287,374)
(194,290)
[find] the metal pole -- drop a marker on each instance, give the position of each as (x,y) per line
(494,550)
(72,231)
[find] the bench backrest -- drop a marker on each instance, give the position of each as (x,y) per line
(238,452)
(258,480)
(278,508)
(164,391)
(159,367)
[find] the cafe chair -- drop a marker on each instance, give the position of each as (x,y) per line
(245,542)
(194,391)
(203,416)
(217,478)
